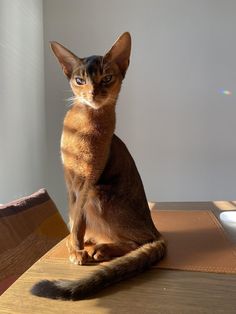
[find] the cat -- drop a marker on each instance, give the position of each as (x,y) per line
(108,210)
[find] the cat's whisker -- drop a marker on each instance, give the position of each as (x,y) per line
(71,100)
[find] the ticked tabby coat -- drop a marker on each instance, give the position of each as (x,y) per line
(108,209)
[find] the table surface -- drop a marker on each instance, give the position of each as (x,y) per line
(155,291)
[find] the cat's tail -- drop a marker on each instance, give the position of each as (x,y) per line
(117,270)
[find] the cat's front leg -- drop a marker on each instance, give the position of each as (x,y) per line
(75,241)
(76,256)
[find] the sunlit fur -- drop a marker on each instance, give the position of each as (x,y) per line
(108,209)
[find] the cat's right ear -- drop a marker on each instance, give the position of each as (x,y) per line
(120,52)
(66,58)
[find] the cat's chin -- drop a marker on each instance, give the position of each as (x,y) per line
(91,104)
(87,103)
(94,104)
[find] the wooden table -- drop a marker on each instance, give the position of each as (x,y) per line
(156,291)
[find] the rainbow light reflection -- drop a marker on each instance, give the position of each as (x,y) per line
(225,92)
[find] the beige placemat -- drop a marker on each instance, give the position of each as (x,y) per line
(196,242)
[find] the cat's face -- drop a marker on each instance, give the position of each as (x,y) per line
(95,83)
(96,80)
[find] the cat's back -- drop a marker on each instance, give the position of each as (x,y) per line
(121,169)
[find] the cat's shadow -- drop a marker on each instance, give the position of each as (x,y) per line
(120,297)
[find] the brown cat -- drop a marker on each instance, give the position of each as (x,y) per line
(108,208)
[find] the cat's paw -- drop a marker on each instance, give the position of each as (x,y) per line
(79,257)
(76,256)
(101,253)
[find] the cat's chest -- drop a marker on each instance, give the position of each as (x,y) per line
(85,142)
(78,147)
(84,153)
(78,134)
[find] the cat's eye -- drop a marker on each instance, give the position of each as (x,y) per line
(106,79)
(80,81)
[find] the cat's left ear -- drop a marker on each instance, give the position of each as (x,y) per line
(67,59)
(120,52)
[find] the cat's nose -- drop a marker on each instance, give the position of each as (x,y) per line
(91,92)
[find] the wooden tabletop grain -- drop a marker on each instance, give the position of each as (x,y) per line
(156,291)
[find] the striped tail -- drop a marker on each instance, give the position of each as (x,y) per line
(119,269)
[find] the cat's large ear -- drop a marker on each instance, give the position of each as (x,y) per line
(120,52)
(66,58)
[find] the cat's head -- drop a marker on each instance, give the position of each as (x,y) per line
(96,80)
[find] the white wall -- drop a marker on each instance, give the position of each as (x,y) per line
(179,128)
(22,106)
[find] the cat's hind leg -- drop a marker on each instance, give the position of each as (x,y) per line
(107,251)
